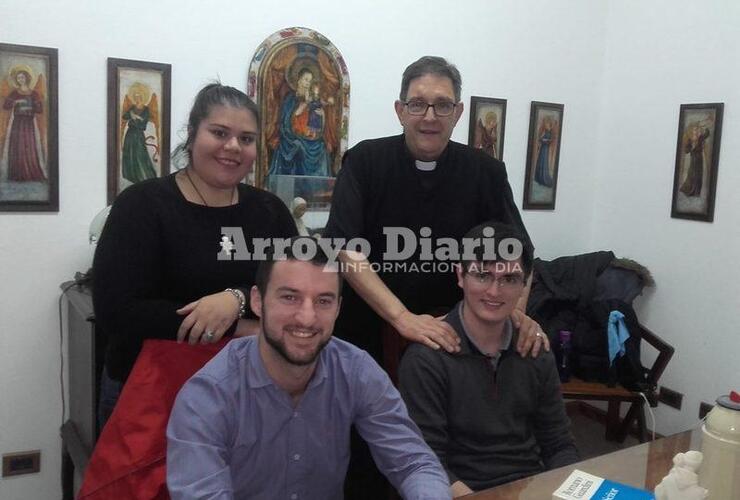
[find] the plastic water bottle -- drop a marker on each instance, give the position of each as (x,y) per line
(564,358)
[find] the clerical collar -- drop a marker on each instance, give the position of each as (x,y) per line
(426,166)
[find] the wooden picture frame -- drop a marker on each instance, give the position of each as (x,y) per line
(543,155)
(487,125)
(697,161)
(138,122)
(29,131)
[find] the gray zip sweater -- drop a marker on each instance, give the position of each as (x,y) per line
(487,425)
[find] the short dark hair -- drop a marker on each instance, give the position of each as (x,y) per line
(212,95)
(431,65)
(501,232)
(318,258)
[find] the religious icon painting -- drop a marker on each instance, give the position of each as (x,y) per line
(697,161)
(138,123)
(300,82)
(487,122)
(29,155)
(543,155)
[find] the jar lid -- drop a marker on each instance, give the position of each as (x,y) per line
(729,401)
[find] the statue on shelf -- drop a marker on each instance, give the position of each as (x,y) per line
(298,207)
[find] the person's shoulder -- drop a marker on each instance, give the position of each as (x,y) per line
(370,148)
(419,353)
(253,197)
(144,196)
(476,157)
(254,193)
(377,144)
(340,352)
(347,361)
(542,363)
(226,365)
(148,187)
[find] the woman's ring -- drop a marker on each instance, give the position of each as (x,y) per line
(208,336)
(538,334)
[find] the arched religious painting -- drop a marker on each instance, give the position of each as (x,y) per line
(300,82)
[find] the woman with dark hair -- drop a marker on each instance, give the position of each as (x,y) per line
(164,267)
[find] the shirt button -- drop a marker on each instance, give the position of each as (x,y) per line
(296,456)
(295,414)
(294,496)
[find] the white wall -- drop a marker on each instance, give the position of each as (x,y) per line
(659,55)
(573,52)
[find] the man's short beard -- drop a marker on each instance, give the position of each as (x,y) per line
(279,347)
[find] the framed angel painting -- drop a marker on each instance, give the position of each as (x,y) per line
(138,123)
(29,158)
(487,124)
(543,155)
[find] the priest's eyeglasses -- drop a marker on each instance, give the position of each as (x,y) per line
(419,108)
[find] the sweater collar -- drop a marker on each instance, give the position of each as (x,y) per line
(467,344)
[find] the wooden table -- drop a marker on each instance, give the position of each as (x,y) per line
(642,466)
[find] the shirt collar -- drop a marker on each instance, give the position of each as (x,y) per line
(506,339)
(258,376)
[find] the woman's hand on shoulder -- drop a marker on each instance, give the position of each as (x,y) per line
(208,318)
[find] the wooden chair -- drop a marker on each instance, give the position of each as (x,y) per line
(615,396)
(393,346)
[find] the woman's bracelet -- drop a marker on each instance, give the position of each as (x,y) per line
(241,298)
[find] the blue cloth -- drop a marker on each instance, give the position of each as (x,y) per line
(297,154)
(233,433)
(617,334)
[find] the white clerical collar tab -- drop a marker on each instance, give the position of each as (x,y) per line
(426,166)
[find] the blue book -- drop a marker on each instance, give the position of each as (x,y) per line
(584,486)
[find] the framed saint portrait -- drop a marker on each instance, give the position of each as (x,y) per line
(138,123)
(487,125)
(301,85)
(543,155)
(29,153)
(697,161)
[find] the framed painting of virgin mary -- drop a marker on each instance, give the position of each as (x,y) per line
(300,82)
(543,155)
(29,158)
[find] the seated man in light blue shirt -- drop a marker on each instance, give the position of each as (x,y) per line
(269,417)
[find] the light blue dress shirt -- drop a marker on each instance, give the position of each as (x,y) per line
(233,434)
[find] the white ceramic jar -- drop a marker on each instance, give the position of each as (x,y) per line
(720,470)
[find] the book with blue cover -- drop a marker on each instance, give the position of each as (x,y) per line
(584,486)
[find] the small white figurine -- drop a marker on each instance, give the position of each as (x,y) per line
(298,208)
(227,246)
(682,482)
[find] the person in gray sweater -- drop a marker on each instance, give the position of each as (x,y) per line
(491,415)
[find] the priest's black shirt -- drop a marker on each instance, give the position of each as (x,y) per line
(379,186)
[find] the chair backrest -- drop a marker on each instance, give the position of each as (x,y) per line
(665,353)
(393,347)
